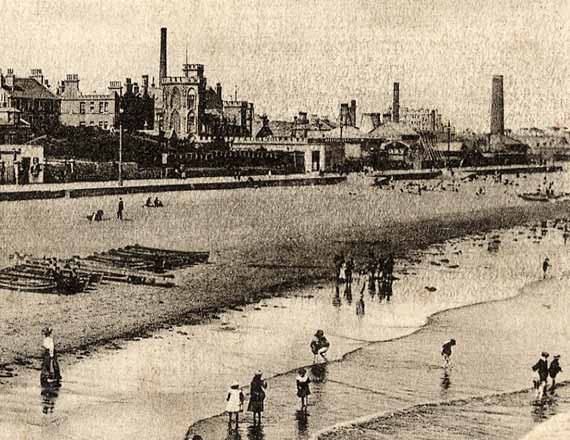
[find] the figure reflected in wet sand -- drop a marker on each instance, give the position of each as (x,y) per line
(319,346)
(445,383)
(234,404)
(303,389)
(336,298)
(49,396)
(257,397)
(50,375)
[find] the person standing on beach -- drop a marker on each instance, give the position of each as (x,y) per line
(120,209)
(303,390)
(338,262)
(541,369)
(50,367)
(234,403)
(446,352)
(257,396)
(349,268)
(553,371)
(545,267)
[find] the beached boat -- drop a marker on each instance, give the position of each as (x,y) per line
(11,282)
(540,197)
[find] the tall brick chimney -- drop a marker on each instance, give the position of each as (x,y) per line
(163,59)
(219,90)
(396,103)
(497,106)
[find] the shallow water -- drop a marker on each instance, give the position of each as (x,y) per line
(157,387)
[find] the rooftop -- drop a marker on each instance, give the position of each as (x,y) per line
(29,88)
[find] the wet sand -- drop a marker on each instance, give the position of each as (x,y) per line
(262,242)
(487,394)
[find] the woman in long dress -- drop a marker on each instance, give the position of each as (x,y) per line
(303,390)
(50,367)
(257,396)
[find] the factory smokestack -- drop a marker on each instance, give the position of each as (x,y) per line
(396,103)
(497,106)
(163,59)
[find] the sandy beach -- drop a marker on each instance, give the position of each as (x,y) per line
(262,242)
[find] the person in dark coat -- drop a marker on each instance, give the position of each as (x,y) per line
(348,270)
(257,396)
(120,209)
(446,352)
(545,267)
(541,370)
(553,371)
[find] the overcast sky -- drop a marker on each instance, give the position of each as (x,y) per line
(288,55)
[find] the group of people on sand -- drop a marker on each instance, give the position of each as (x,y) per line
(153,204)
(235,397)
(542,372)
(257,393)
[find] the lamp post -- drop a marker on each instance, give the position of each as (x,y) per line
(121,145)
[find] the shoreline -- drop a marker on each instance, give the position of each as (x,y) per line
(256,278)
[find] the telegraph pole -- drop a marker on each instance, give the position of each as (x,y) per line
(121,145)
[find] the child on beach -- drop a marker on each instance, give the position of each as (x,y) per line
(303,390)
(553,371)
(319,345)
(541,375)
(234,402)
(446,352)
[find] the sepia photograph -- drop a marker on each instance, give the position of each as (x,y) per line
(284,219)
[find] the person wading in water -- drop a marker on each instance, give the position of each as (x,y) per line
(446,352)
(541,371)
(320,345)
(50,374)
(303,390)
(553,371)
(257,396)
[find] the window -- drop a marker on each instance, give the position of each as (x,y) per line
(105,125)
(92,107)
(92,123)
(106,107)
(100,124)
(82,108)
(82,124)
(101,107)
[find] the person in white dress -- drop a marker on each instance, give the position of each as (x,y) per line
(234,403)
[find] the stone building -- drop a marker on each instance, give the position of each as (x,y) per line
(89,110)
(38,106)
(187,106)
(103,109)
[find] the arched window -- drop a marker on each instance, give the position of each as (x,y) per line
(190,121)
(175,122)
(191,99)
(175,99)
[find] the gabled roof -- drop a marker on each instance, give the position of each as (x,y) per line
(392,130)
(345,132)
(29,88)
